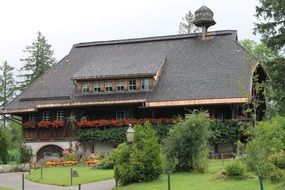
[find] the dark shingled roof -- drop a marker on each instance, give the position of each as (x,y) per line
(193,69)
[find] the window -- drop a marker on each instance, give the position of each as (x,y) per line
(96,87)
(132,85)
(60,115)
(46,116)
(120,115)
(85,87)
(92,149)
(108,86)
(145,84)
(32,117)
(120,85)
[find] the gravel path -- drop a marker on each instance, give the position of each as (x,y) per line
(14,181)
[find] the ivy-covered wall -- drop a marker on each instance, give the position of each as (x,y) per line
(222,132)
(114,134)
(228,131)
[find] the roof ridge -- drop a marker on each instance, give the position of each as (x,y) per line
(154,38)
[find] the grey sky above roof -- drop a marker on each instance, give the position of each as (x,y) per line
(193,69)
(68,22)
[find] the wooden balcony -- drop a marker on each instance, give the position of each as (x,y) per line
(49,133)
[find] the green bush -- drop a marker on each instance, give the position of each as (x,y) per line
(3,147)
(278,160)
(25,154)
(235,170)
(140,161)
(14,155)
(267,140)
(186,147)
(276,175)
(107,163)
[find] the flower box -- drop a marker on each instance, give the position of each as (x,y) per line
(29,124)
(123,122)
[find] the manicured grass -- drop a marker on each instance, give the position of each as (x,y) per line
(61,175)
(5,188)
(208,181)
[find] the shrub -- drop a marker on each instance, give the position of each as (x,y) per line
(278,160)
(266,141)
(14,155)
(107,163)
(186,147)
(235,170)
(140,161)
(25,154)
(3,147)
(276,175)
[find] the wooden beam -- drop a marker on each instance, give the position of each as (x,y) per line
(197,102)
(18,111)
(75,104)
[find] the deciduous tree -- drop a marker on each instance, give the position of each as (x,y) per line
(271,15)
(275,67)
(186,147)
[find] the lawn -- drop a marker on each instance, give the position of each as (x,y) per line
(5,188)
(61,175)
(209,181)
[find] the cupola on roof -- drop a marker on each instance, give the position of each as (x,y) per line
(204,17)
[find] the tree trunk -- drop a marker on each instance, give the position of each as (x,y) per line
(261,182)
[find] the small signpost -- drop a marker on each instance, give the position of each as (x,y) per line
(73,173)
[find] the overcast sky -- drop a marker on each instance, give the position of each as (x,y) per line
(67,22)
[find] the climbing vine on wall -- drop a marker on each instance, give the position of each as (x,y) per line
(222,132)
(114,134)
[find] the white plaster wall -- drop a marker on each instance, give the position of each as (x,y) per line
(99,148)
(36,146)
(103,148)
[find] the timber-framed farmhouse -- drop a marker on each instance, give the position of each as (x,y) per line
(109,82)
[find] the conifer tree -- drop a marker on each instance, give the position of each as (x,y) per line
(7,85)
(186,25)
(40,59)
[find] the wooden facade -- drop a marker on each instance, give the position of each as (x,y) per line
(131,111)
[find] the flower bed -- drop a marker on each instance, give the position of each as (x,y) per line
(61,163)
(90,162)
(70,163)
(125,122)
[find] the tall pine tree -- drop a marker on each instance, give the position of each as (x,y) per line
(186,26)
(7,85)
(40,59)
